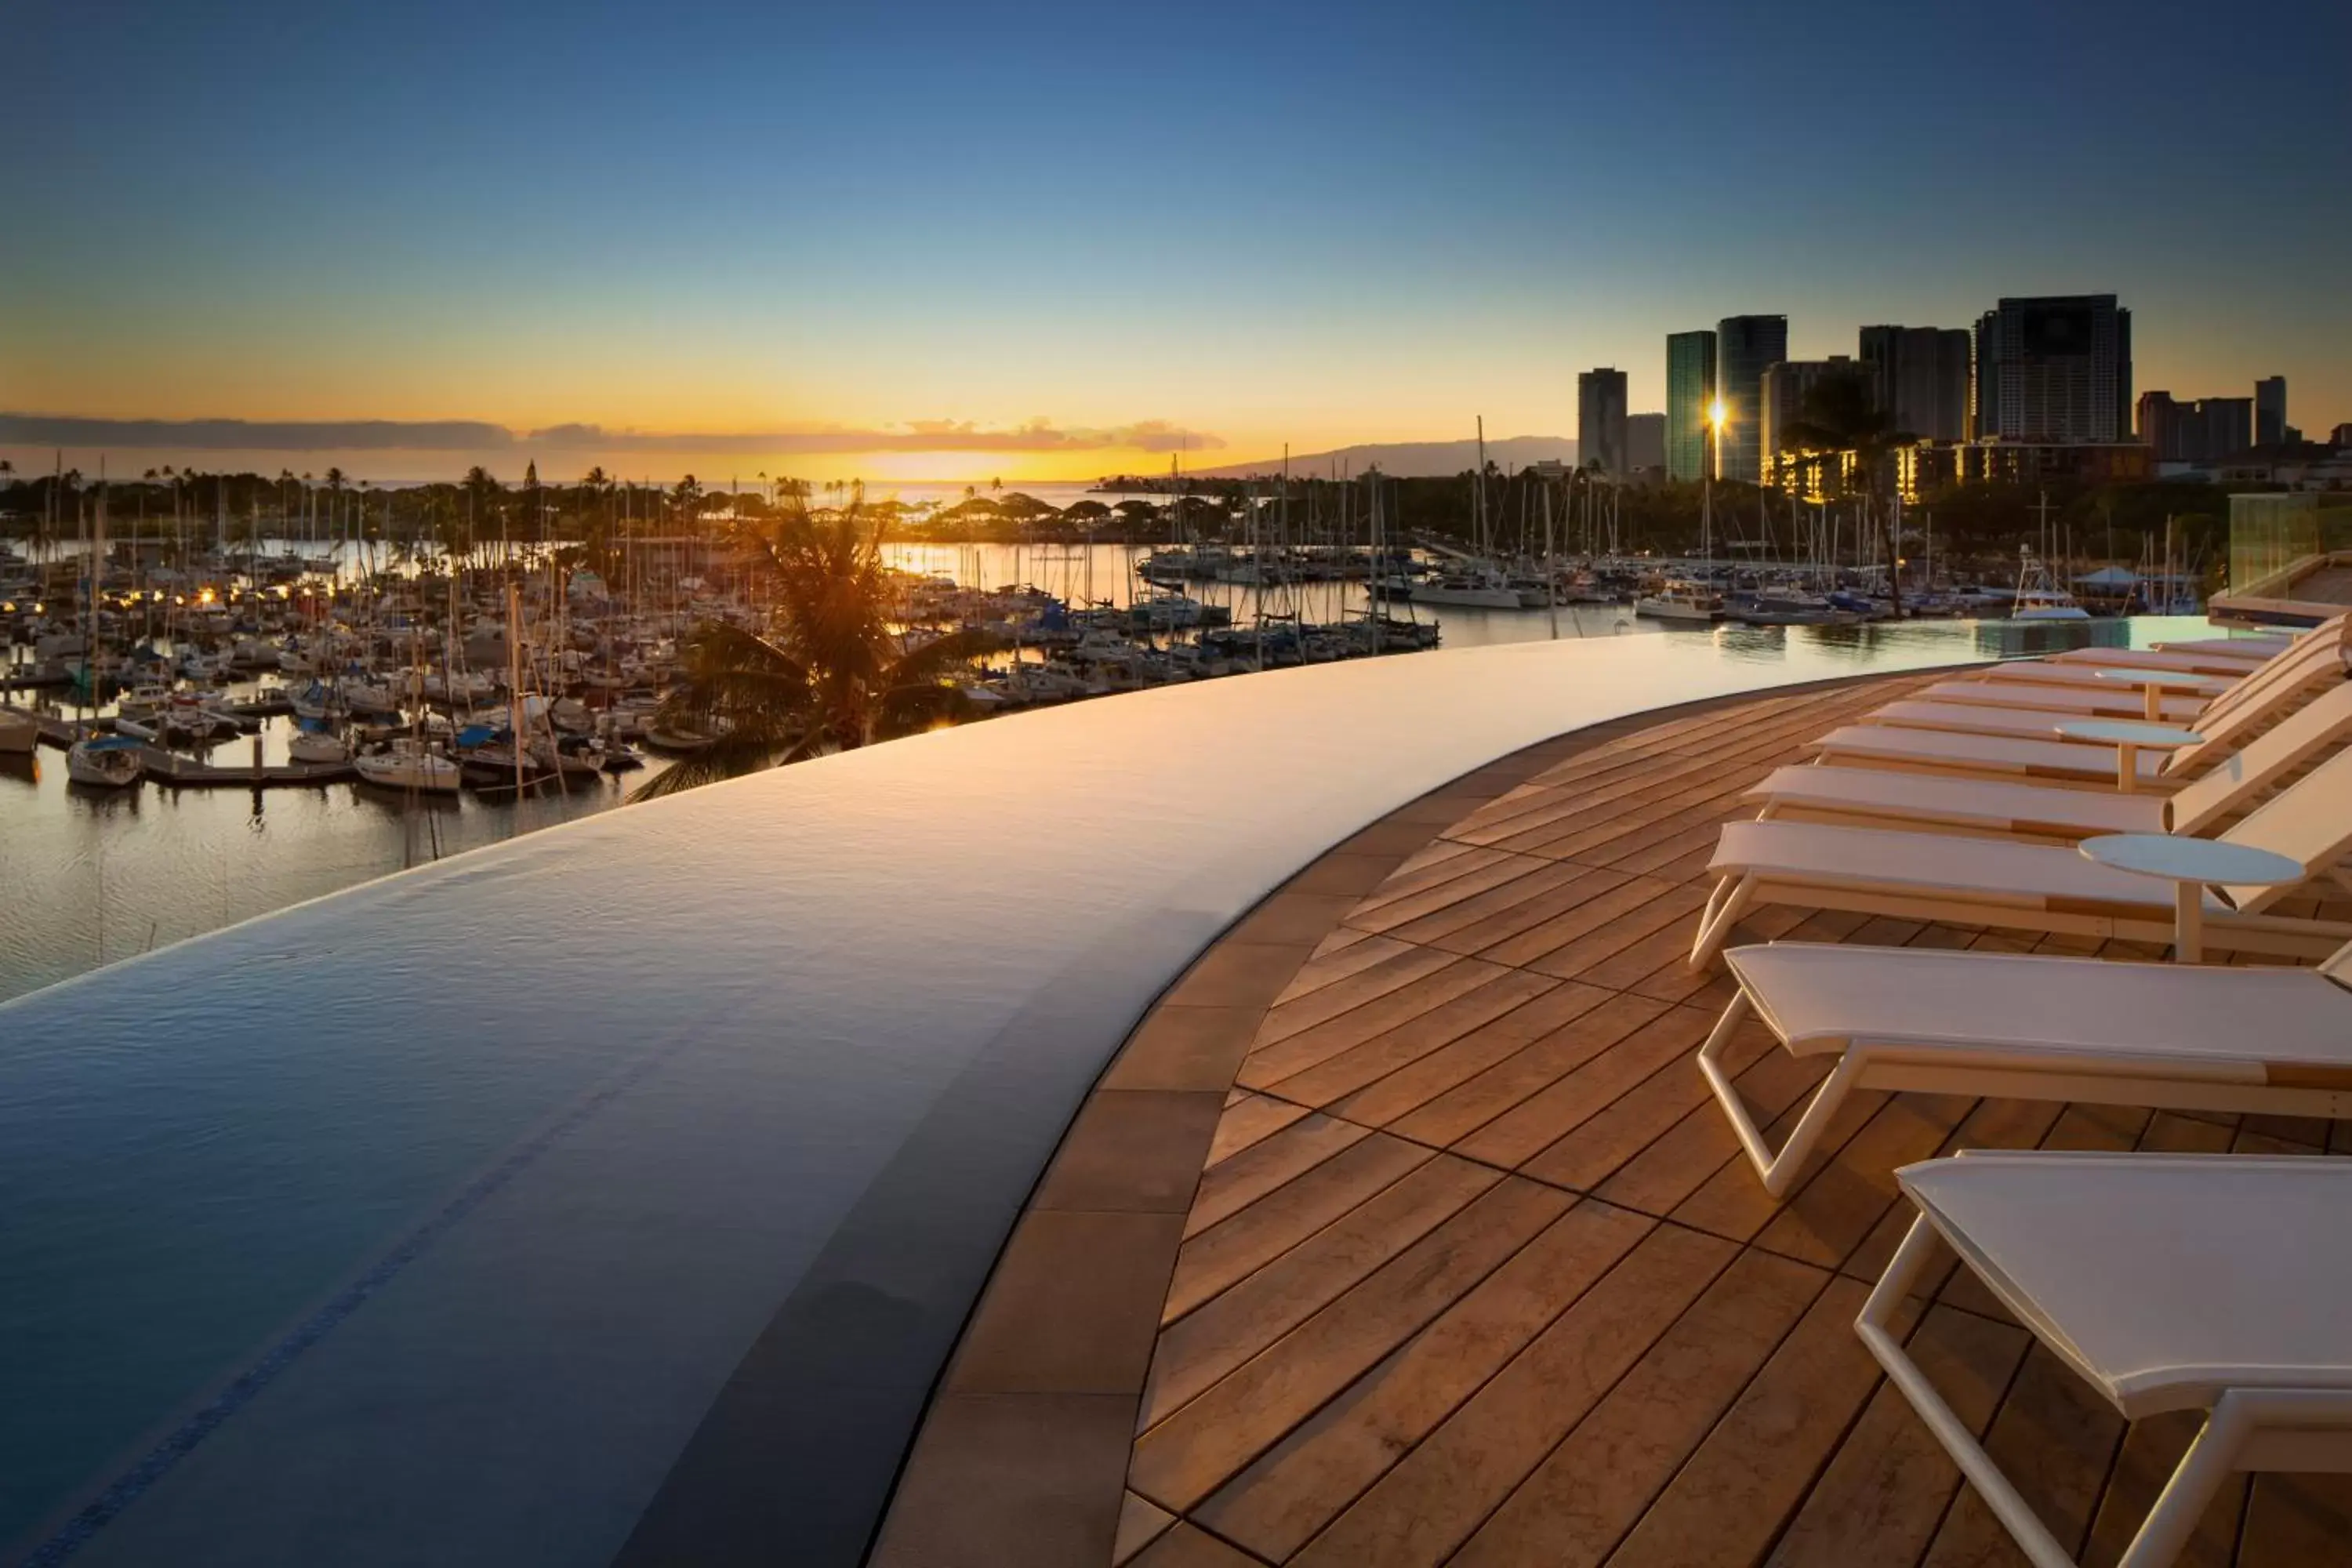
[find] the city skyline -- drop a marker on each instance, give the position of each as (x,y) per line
(1351,227)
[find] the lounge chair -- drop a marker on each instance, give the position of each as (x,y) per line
(1978,718)
(2210,1283)
(2035,1027)
(2310,654)
(2034,887)
(2258,646)
(1998,756)
(2106,699)
(2204,661)
(1948,803)
(1934,737)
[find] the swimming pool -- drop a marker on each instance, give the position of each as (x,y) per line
(427,1221)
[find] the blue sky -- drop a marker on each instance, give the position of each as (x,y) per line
(1312,223)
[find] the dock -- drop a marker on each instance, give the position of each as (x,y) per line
(193,773)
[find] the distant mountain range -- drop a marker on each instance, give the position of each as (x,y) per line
(1408,459)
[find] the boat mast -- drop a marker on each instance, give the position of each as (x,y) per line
(514,677)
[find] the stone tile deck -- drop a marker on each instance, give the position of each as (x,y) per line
(1473,1272)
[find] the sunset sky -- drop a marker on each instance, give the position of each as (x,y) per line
(939,241)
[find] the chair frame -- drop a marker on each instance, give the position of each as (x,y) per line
(2246,1429)
(1990,1073)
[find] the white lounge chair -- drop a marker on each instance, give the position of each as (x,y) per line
(1979,719)
(2035,1027)
(2208,661)
(2260,646)
(2034,887)
(2106,699)
(2207,1282)
(1950,802)
(1941,737)
(2310,655)
(2315,661)
(1892,746)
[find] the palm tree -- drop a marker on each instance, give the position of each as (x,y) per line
(1838,416)
(830,675)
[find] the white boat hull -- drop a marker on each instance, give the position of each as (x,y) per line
(426,775)
(112,769)
(1666,610)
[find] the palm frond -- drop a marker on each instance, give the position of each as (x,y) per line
(927,661)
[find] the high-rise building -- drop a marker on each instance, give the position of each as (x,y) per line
(2201,430)
(2159,425)
(1690,390)
(1919,378)
(2056,368)
(1645,443)
(1601,419)
(1744,347)
(2270,411)
(2227,426)
(1786,386)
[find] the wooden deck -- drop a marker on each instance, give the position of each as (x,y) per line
(1474,1273)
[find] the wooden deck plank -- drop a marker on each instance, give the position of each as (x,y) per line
(1589,1491)
(1463,1110)
(1731,1501)
(1243,1244)
(1528,1128)
(1428,1504)
(1231,1185)
(1333,964)
(1458,1061)
(1274,1506)
(1325,1003)
(1384,1053)
(1270,1060)
(1580,885)
(1194,1452)
(1249,1118)
(1253,1312)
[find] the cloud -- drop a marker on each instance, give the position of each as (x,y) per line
(263,435)
(474,436)
(915,435)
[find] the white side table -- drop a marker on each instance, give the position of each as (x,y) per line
(2127,736)
(2155,683)
(2192,865)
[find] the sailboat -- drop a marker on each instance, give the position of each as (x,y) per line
(409,763)
(104,762)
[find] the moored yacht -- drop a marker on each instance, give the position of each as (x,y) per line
(2039,597)
(1684,602)
(407,764)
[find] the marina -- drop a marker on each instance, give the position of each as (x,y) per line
(313,688)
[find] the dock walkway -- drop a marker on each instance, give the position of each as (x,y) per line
(182,771)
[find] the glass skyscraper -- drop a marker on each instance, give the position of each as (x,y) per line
(1690,387)
(1745,347)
